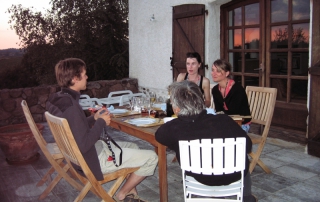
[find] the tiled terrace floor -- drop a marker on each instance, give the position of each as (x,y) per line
(295,177)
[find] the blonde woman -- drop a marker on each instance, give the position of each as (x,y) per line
(229,96)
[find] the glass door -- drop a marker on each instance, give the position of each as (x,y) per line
(267,43)
(288,45)
(244,44)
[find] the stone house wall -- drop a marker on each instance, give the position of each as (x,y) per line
(36,97)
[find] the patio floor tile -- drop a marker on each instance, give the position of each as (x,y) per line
(295,176)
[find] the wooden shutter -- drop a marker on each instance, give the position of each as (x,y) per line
(188,35)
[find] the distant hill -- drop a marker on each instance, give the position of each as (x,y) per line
(10,52)
(10,59)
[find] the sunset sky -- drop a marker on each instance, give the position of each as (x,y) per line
(8,37)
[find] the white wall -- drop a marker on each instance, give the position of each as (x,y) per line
(150,42)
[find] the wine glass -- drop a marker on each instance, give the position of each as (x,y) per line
(137,104)
(153,97)
(131,102)
(148,105)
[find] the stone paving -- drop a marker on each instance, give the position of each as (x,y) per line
(295,176)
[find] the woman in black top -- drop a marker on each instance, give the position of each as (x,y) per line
(229,96)
(193,63)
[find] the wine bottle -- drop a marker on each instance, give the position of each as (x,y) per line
(169,109)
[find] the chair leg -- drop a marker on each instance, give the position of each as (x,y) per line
(256,160)
(69,179)
(50,187)
(83,192)
(174,159)
(116,185)
(48,174)
(73,174)
(264,167)
(45,177)
(56,180)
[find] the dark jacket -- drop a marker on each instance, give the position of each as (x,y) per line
(236,101)
(86,130)
(203,126)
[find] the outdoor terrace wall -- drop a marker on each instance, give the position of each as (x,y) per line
(36,97)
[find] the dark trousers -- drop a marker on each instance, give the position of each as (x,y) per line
(247,195)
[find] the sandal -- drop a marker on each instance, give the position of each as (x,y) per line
(131,197)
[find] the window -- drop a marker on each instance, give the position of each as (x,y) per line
(271,36)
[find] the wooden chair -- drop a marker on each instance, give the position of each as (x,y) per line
(262,102)
(209,157)
(115,97)
(53,155)
(69,148)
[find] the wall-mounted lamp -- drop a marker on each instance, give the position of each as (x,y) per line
(152,18)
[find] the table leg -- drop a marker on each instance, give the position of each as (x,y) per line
(163,181)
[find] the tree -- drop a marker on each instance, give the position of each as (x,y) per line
(93,30)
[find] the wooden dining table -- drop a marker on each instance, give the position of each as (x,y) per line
(147,134)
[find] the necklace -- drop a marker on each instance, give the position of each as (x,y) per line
(225,89)
(194,80)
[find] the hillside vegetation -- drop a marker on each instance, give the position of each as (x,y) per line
(94,31)
(10,63)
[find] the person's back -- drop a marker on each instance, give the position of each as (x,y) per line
(193,122)
(202,126)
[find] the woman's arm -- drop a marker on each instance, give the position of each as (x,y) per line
(206,90)
(181,77)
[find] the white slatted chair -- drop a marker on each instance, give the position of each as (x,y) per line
(119,93)
(124,99)
(86,102)
(114,97)
(217,158)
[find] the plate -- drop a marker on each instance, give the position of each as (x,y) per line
(142,121)
(118,111)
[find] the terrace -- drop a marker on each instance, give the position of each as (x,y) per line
(295,175)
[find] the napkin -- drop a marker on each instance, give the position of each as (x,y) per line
(110,108)
(210,111)
(163,106)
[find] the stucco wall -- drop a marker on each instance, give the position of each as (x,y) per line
(150,44)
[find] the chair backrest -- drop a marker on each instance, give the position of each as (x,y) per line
(34,129)
(119,93)
(124,99)
(216,156)
(212,103)
(262,102)
(86,102)
(64,138)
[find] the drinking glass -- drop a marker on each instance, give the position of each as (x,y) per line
(131,102)
(137,104)
(148,105)
(153,98)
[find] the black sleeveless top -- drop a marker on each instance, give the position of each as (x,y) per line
(200,84)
